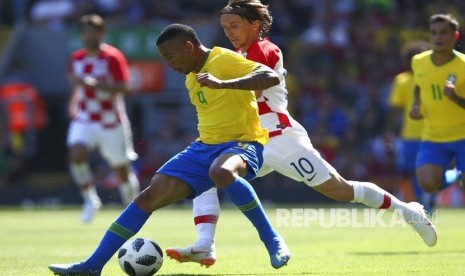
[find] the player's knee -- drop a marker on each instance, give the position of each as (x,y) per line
(430,178)
(221,176)
(429,186)
(78,154)
(77,158)
(144,200)
(162,191)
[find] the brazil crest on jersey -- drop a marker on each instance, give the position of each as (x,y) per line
(226,114)
(444,119)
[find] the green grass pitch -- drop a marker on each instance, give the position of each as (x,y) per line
(31,240)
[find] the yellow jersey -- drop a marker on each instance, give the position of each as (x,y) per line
(444,119)
(401,96)
(226,115)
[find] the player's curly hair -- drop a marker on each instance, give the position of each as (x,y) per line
(251,10)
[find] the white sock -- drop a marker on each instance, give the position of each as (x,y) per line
(130,189)
(452,175)
(90,194)
(373,196)
(81,173)
(134,182)
(206,211)
(83,177)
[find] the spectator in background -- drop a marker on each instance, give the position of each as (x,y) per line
(54,14)
(99,74)
(24,111)
(13,12)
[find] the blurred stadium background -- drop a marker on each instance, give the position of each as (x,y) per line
(341,57)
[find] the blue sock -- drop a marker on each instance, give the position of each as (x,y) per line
(417,190)
(426,199)
(244,197)
(431,203)
(125,226)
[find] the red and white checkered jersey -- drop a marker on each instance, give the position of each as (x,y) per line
(273,102)
(95,105)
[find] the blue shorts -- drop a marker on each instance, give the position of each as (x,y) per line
(407,158)
(193,163)
(442,154)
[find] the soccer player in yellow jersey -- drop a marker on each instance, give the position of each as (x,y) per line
(401,99)
(439,73)
(221,86)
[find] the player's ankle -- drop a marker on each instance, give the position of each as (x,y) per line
(205,245)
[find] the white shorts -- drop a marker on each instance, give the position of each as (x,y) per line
(115,144)
(292,154)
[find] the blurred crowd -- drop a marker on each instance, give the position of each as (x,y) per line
(341,57)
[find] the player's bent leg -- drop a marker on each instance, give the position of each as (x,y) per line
(224,173)
(163,190)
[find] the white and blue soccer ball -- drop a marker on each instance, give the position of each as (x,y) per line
(140,257)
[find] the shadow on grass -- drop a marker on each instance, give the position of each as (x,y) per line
(407,253)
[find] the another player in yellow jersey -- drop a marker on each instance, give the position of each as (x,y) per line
(439,73)
(401,100)
(221,86)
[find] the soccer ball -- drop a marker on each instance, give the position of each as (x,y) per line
(140,257)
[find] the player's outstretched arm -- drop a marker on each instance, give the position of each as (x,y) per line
(260,79)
